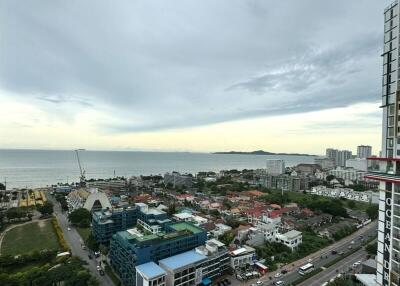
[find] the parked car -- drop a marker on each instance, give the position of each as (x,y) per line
(284,271)
(279,283)
(334,252)
(278,274)
(90,256)
(101,272)
(98,267)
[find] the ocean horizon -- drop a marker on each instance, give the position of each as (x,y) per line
(39,168)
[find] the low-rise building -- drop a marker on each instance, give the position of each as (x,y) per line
(150,274)
(220,229)
(193,267)
(347,174)
(242,256)
(347,193)
(291,239)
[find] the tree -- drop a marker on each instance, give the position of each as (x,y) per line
(46,209)
(372,248)
(351,204)
(330,178)
(2,187)
(372,211)
(92,243)
(80,217)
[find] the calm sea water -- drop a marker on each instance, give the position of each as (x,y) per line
(36,168)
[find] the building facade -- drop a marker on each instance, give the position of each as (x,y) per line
(130,248)
(275,167)
(359,164)
(364,151)
(387,172)
(107,222)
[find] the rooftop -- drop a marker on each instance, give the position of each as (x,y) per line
(185,226)
(292,234)
(182,260)
(150,270)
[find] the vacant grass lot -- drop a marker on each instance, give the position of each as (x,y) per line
(27,238)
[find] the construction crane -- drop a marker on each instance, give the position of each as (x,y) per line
(82,178)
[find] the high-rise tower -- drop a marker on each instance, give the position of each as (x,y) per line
(386,169)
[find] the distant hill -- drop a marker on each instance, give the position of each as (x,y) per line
(261,152)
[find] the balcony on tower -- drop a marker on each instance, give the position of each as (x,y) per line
(384,169)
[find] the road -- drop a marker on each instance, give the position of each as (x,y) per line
(74,241)
(320,258)
(331,272)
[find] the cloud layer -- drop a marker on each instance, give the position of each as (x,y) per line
(150,65)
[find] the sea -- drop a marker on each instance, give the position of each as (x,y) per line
(40,168)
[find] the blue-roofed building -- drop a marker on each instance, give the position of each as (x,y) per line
(181,268)
(150,274)
(198,266)
(131,248)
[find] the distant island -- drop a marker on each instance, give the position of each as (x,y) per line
(261,152)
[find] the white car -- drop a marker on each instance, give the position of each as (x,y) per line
(69,228)
(277,275)
(259,282)
(98,267)
(355,264)
(279,283)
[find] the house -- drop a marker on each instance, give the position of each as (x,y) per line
(220,229)
(291,239)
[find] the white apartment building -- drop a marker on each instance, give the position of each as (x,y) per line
(325,162)
(242,256)
(347,174)
(150,274)
(359,164)
(275,167)
(291,239)
(364,151)
(347,193)
(344,155)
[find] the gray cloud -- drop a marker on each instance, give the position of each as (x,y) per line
(156,65)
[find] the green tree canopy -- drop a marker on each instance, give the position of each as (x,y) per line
(80,217)
(46,209)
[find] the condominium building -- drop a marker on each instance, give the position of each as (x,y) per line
(344,155)
(107,222)
(339,157)
(388,170)
(325,162)
(332,154)
(131,248)
(364,151)
(275,167)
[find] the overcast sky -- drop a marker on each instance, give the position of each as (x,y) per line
(191,75)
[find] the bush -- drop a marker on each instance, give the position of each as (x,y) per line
(60,235)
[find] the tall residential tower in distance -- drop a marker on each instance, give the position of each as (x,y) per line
(275,167)
(387,171)
(364,151)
